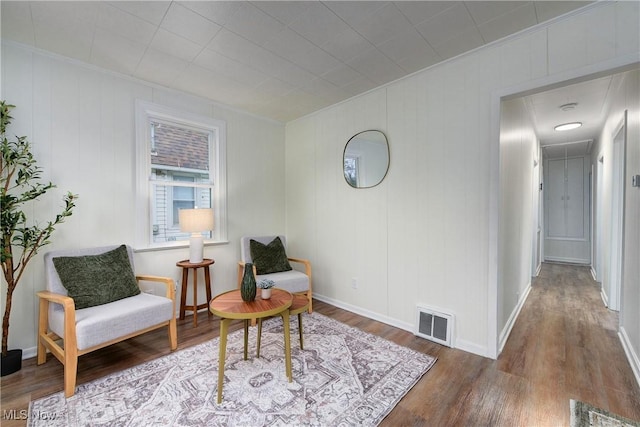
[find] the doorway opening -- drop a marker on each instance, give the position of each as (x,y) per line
(579,165)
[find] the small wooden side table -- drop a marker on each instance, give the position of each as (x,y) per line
(299,304)
(186,266)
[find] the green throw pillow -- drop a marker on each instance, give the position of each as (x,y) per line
(97,279)
(270,258)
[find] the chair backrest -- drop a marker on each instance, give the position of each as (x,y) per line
(52,279)
(245,249)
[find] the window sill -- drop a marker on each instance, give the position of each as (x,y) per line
(177,245)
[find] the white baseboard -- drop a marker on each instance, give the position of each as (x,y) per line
(604,297)
(471,347)
(594,274)
(459,344)
(366,313)
(578,261)
(632,355)
(28,353)
(506,331)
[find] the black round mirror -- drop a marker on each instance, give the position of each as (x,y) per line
(366,159)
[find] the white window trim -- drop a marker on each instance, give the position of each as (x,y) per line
(143,232)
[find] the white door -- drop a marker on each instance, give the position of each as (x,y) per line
(567,210)
(556,227)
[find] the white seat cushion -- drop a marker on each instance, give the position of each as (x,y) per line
(292,281)
(107,322)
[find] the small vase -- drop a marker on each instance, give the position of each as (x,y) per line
(248,287)
(266,293)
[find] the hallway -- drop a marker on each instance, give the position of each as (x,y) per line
(565,346)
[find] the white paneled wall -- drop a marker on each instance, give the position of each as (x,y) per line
(630,316)
(80,121)
(519,149)
(626,97)
(424,234)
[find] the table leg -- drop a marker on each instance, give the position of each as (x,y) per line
(183,295)
(287,344)
(207,283)
(246,337)
(300,330)
(195,297)
(224,327)
(259,337)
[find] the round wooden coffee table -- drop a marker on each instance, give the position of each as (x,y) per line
(229,306)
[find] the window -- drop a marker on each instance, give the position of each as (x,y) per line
(181,165)
(183,197)
(351,170)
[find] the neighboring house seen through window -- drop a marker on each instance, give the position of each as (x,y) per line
(181,162)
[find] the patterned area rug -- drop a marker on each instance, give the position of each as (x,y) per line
(343,377)
(585,415)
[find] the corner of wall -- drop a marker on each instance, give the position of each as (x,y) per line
(506,331)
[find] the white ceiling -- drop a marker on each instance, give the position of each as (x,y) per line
(276,59)
(592,99)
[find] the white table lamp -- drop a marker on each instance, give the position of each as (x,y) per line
(195,221)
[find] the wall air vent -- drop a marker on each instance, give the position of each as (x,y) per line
(434,325)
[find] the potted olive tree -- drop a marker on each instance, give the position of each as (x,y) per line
(20,185)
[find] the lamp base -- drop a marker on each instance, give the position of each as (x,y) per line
(196,246)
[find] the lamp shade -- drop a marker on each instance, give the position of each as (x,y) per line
(195,220)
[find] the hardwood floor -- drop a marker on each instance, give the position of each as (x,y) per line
(564,345)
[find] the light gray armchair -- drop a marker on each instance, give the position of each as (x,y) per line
(294,281)
(68,332)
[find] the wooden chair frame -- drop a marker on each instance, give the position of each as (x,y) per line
(68,353)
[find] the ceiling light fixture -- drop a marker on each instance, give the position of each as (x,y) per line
(567,126)
(568,107)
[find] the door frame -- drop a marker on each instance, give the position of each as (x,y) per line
(617,213)
(536,244)
(599,213)
(608,67)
